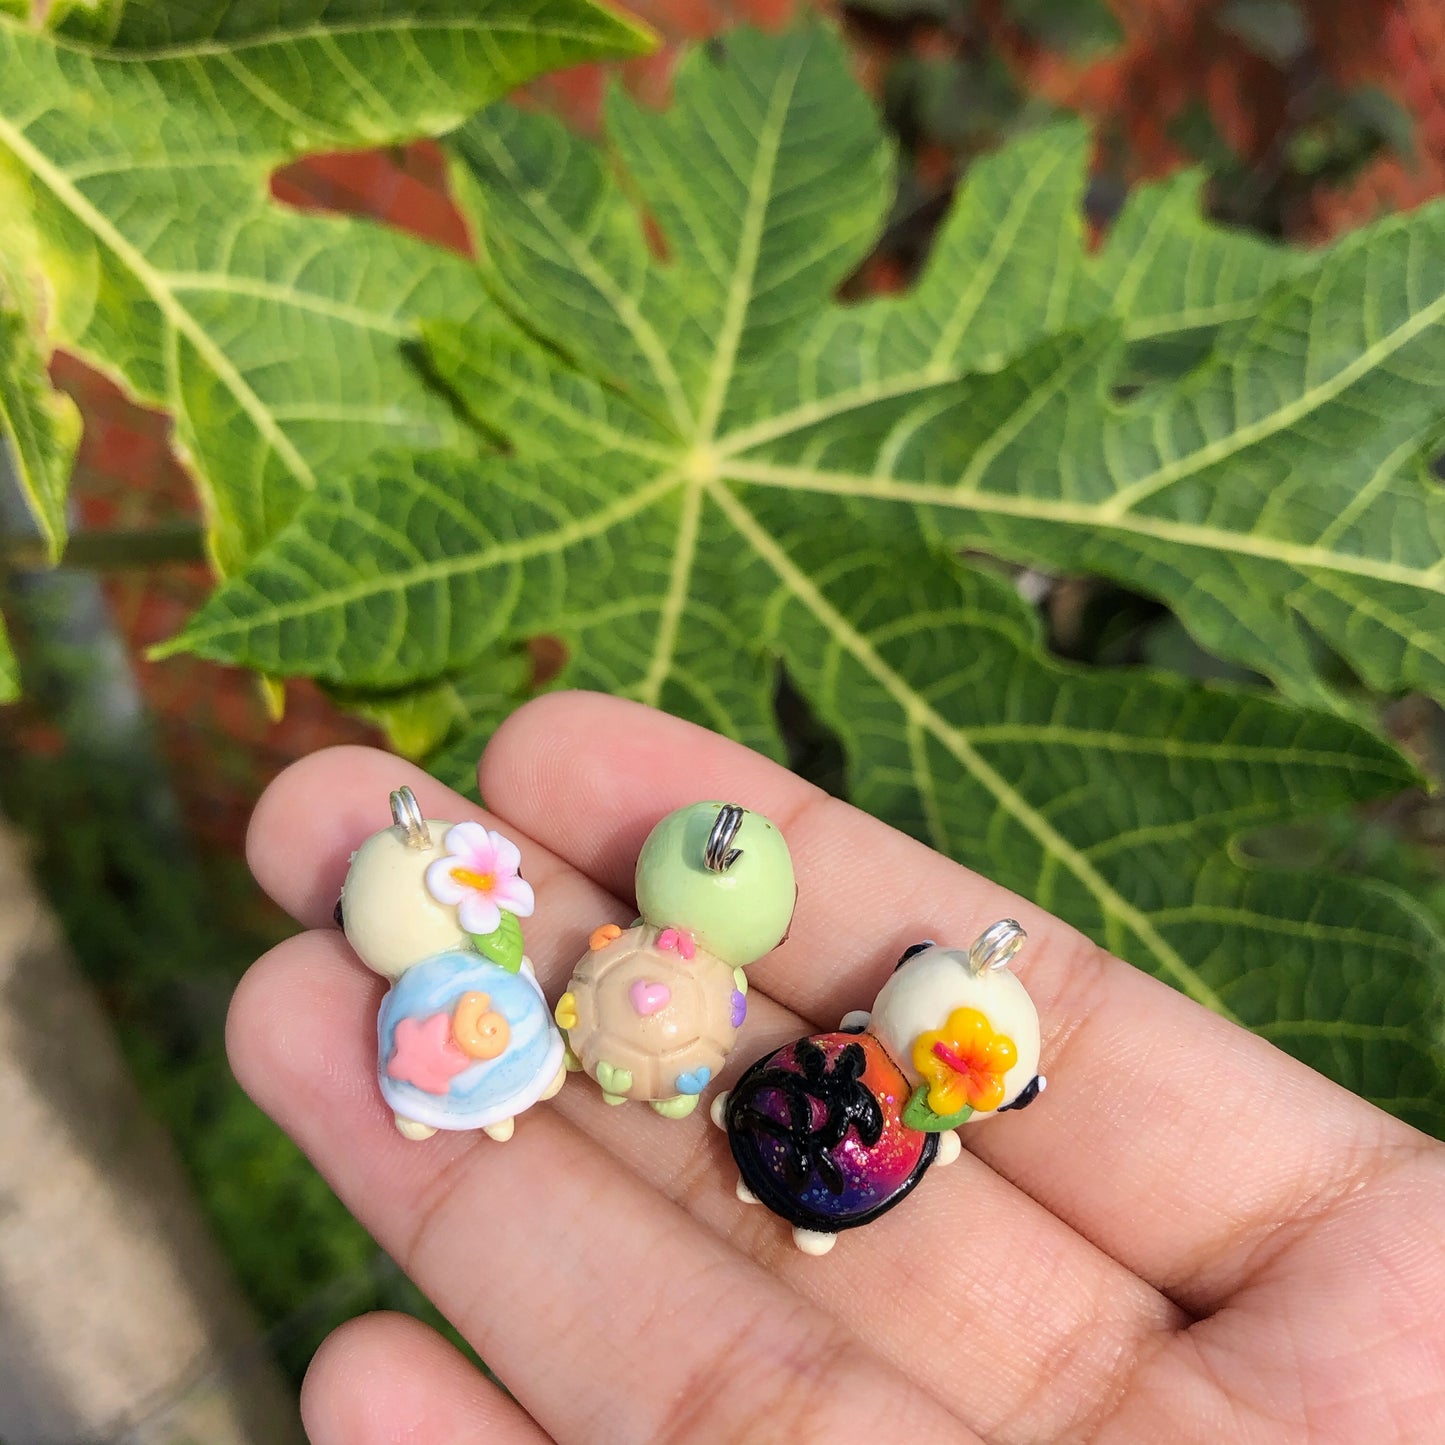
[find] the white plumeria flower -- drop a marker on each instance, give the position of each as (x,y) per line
(479,877)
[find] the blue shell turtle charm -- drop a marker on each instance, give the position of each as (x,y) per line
(465,1039)
(834,1129)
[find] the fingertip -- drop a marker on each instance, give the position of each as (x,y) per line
(342,1376)
(543,740)
(299,1027)
(317,812)
(385,1378)
(296,842)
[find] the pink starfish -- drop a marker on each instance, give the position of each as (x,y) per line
(425,1054)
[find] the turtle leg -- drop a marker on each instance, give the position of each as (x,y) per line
(555,1087)
(410,1129)
(501,1131)
(677,1107)
(813,1241)
(856,1021)
(717,1112)
(613,1080)
(950,1146)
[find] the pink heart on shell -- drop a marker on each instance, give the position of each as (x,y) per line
(647,998)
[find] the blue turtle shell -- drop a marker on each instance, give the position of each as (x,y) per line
(487,1090)
(817,1131)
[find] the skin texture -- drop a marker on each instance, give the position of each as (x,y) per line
(1189,1237)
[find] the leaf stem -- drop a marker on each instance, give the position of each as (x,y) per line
(110,550)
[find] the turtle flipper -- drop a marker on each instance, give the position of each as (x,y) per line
(813,1241)
(677,1107)
(614,1082)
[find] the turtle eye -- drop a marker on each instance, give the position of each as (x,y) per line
(338,915)
(1027,1094)
(909,952)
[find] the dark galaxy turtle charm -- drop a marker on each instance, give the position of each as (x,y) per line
(832,1130)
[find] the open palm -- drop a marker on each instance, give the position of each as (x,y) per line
(1190,1237)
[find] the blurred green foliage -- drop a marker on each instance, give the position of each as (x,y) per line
(164,931)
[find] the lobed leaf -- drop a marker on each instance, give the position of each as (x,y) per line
(713,469)
(276,339)
(1281,482)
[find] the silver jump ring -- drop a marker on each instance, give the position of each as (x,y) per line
(996,946)
(720,855)
(407,815)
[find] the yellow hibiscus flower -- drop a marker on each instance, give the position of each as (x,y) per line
(964,1063)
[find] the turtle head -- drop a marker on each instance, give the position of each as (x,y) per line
(389,917)
(722,873)
(960,1022)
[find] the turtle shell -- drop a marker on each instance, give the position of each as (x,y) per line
(818,1134)
(425,1077)
(652,1024)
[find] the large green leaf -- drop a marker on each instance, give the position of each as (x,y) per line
(40,426)
(276,339)
(711,465)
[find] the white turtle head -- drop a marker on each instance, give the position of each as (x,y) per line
(950,1006)
(389,917)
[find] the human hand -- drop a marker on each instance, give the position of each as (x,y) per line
(1191,1236)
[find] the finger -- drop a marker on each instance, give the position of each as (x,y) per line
(1123,1147)
(386,1379)
(608,1312)
(1105,1315)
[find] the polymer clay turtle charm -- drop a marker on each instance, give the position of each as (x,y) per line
(833,1130)
(464,1036)
(653,1010)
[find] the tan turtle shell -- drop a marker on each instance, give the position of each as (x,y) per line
(647,1016)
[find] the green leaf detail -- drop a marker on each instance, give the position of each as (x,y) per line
(448,721)
(917,1114)
(9,669)
(142,178)
(40,425)
(504,945)
(713,466)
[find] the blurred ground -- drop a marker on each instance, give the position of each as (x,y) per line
(1311,118)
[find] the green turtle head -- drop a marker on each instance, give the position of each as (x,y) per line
(721,873)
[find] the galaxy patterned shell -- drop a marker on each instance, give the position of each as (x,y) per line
(817,1131)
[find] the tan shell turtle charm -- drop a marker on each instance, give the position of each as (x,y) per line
(653,1010)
